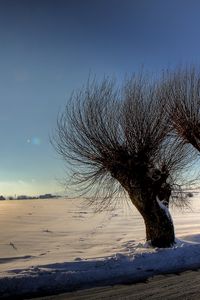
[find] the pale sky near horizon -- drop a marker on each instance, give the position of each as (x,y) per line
(48,48)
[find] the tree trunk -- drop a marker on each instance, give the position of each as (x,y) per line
(158,222)
(159,226)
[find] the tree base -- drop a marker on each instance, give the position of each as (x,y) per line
(159,228)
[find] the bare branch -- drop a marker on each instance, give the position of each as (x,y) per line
(183,97)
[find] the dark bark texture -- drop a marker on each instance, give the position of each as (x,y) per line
(150,194)
(159,227)
(158,222)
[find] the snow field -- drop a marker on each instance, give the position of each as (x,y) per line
(55,245)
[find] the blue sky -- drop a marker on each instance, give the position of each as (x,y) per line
(48,48)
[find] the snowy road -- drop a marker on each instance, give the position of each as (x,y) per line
(180,286)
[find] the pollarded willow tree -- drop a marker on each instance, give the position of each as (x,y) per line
(182,90)
(119,140)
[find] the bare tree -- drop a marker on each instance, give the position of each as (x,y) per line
(182,92)
(117,140)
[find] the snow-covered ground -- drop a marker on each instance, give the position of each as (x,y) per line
(51,245)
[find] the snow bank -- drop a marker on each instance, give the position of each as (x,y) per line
(119,268)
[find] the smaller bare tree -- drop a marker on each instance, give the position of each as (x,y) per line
(182,92)
(117,140)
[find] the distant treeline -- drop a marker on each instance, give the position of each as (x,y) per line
(25,197)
